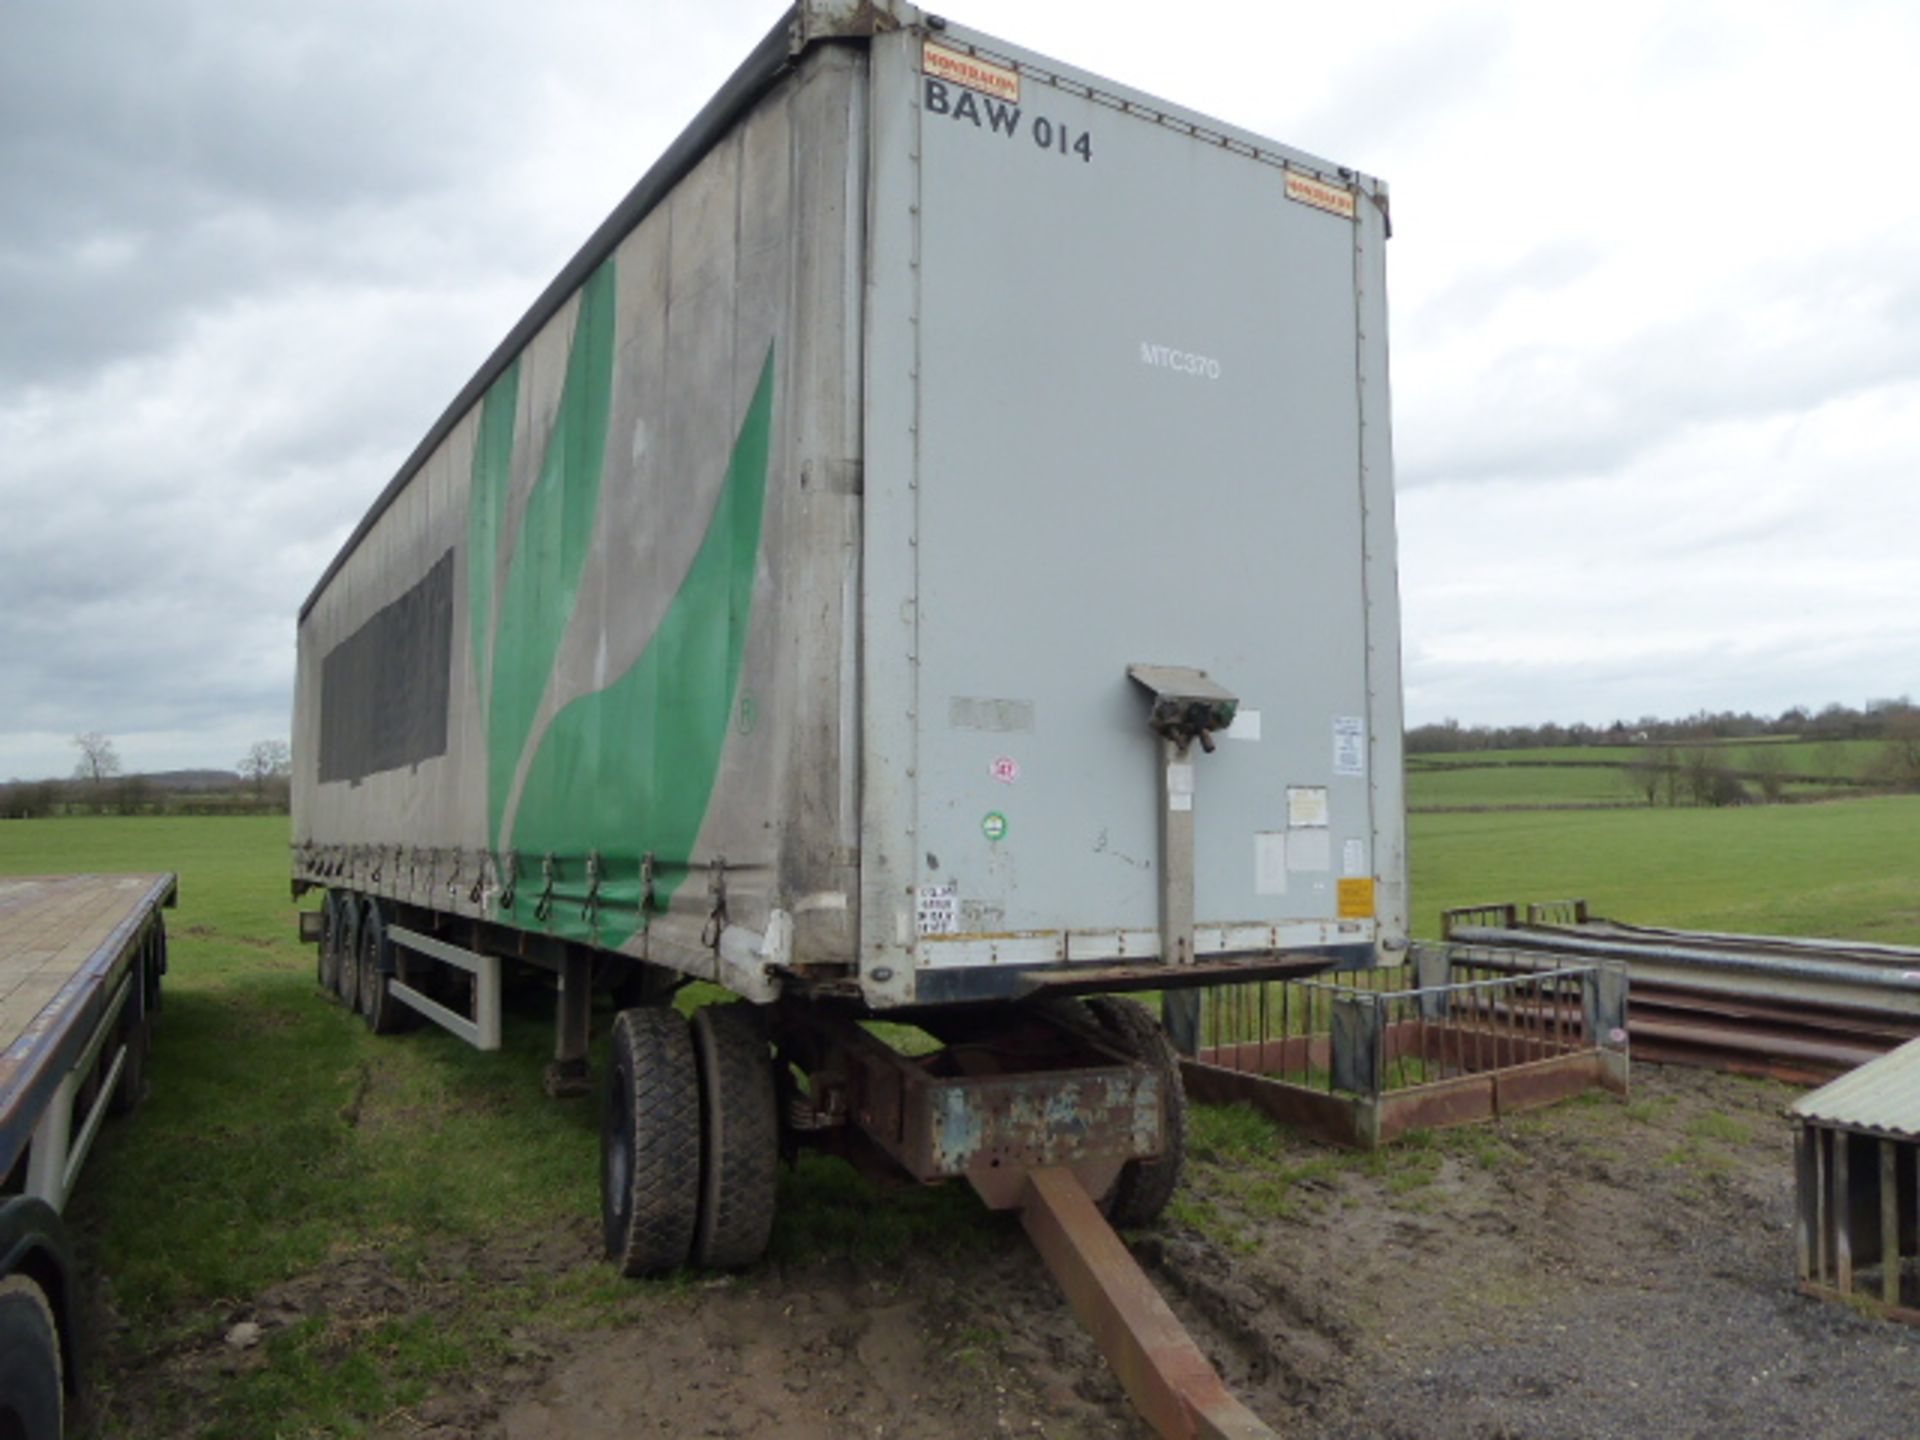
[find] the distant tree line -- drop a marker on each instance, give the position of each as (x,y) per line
(260,784)
(1694,761)
(1876,720)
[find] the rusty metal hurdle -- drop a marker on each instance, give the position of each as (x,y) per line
(1361,1057)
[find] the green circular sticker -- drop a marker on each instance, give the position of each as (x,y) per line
(994,825)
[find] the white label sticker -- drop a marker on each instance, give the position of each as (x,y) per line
(1349,745)
(1006,769)
(1309,851)
(1179,779)
(937,910)
(1270,862)
(1306,805)
(1246,726)
(1353,858)
(1179,802)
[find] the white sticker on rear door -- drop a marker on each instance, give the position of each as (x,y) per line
(1354,858)
(1307,806)
(1180,786)
(1349,745)
(936,910)
(1309,851)
(1270,862)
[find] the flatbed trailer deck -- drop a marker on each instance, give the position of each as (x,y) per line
(81,958)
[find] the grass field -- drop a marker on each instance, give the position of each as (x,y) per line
(1796,757)
(1598,775)
(1849,868)
(282,1141)
(283,1144)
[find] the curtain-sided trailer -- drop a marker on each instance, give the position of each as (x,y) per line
(930,555)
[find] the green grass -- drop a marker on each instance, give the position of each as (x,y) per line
(283,1144)
(1597,775)
(1453,786)
(1795,757)
(1846,868)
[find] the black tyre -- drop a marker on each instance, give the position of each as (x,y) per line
(1145,1186)
(384,1014)
(346,980)
(137,1036)
(739,1135)
(650,1143)
(32,1393)
(328,965)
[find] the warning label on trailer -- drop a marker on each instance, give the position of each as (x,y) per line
(936,910)
(1356,899)
(1334,199)
(984,76)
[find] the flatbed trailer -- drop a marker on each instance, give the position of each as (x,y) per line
(81,960)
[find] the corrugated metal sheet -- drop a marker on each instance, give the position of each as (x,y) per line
(1881,1097)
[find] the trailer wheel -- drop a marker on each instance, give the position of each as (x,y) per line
(650,1143)
(384,1014)
(1145,1186)
(32,1393)
(328,965)
(137,1036)
(740,1136)
(347,967)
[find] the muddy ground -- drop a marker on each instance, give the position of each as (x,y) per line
(1600,1269)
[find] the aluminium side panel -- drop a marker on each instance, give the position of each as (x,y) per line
(1126,404)
(591,673)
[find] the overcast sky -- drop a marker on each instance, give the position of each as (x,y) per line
(1654,288)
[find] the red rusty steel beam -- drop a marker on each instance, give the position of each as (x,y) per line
(1169,1381)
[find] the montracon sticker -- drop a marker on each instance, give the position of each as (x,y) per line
(974,73)
(1334,199)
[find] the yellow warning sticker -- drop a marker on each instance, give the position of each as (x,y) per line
(1356,899)
(941,63)
(1334,199)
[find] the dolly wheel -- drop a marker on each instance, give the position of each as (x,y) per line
(650,1143)
(1145,1186)
(740,1136)
(32,1396)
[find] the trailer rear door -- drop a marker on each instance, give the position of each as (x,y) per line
(1135,438)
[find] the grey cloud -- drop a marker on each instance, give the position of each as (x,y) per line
(1402,86)
(1574,407)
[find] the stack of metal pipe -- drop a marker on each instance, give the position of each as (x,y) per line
(1792,1008)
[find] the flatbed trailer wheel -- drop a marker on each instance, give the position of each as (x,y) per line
(32,1389)
(131,1089)
(383,1013)
(1145,1186)
(740,1136)
(650,1142)
(347,971)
